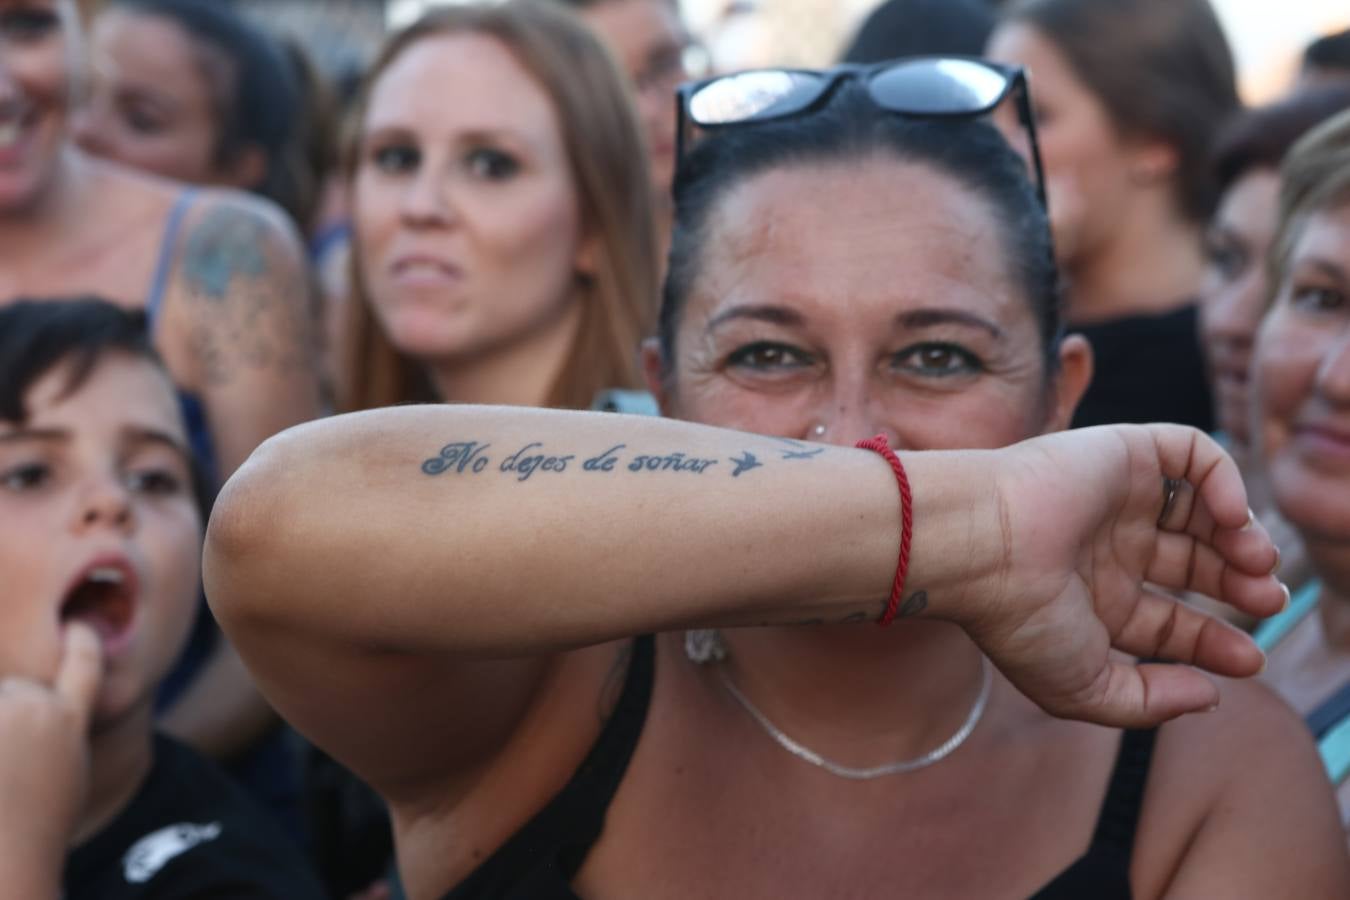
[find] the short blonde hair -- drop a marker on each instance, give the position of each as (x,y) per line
(1314,176)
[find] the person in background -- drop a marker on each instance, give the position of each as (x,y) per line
(503,246)
(1129,95)
(220,274)
(650,43)
(1326,59)
(1236,291)
(102,507)
(192,91)
(1301,431)
(920,27)
(621,656)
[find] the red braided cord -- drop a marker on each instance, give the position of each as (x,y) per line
(881,446)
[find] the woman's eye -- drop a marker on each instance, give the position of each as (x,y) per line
(396,158)
(154,481)
(1318,298)
(143,122)
(1227,260)
(769,357)
(23,25)
(938,360)
(26,477)
(492,165)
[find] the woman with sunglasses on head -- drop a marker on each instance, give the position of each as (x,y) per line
(1301,432)
(607,656)
(1129,95)
(219,274)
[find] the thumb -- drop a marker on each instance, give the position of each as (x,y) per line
(81,671)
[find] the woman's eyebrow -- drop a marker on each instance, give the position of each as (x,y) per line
(1325,266)
(142,435)
(47,435)
(776,315)
(929,317)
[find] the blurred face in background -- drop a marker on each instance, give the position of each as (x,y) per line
(1088,163)
(648,40)
(1302,378)
(152,103)
(1235,291)
(37,51)
(467,220)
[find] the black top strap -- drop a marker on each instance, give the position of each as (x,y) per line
(540,859)
(1119,818)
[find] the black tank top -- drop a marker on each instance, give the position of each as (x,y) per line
(540,860)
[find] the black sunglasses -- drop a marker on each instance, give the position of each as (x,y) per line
(935,87)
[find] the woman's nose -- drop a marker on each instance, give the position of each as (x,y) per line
(851,415)
(1333,376)
(426,202)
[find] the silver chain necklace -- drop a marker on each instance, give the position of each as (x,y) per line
(704,647)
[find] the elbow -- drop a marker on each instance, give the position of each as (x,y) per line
(246,522)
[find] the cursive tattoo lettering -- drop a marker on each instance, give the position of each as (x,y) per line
(524,466)
(605,462)
(459,456)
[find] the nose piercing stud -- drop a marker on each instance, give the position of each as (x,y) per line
(818,431)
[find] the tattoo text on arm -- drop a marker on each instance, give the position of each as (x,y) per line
(475,457)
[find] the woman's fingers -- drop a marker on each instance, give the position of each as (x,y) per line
(1163,628)
(1142,696)
(1181,563)
(1188,455)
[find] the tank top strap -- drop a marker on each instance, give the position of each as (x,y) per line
(1119,818)
(164,264)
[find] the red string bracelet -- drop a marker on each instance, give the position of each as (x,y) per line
(882,447)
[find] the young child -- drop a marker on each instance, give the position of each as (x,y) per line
(101,518)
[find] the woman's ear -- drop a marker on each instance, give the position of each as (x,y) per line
(1070,382)
(654,372)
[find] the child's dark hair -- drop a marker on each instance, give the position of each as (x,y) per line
(38,335)
(850,128)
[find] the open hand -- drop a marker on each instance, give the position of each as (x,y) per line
(1091,538)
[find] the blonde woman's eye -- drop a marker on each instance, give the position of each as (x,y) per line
(396,159)
(1319,298)
(492,165)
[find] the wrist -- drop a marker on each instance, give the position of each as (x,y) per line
(959,554)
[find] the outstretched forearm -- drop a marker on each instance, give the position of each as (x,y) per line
(484,530)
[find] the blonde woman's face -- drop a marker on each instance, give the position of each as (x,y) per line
(467,219)
(1302,376)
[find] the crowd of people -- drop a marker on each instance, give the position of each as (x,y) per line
(332,572)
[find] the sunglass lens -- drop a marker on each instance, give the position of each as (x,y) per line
(753,95)
(938,87)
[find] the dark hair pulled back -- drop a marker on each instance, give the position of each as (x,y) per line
(852,128)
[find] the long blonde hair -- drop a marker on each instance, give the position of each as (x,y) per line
(608,168)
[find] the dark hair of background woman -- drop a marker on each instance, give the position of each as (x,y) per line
(1260,137)
(850,128)
(920,27)
(255,91)
(1162,69)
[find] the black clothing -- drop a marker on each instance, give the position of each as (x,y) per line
(1147,369)
(188,833)
(541,859)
